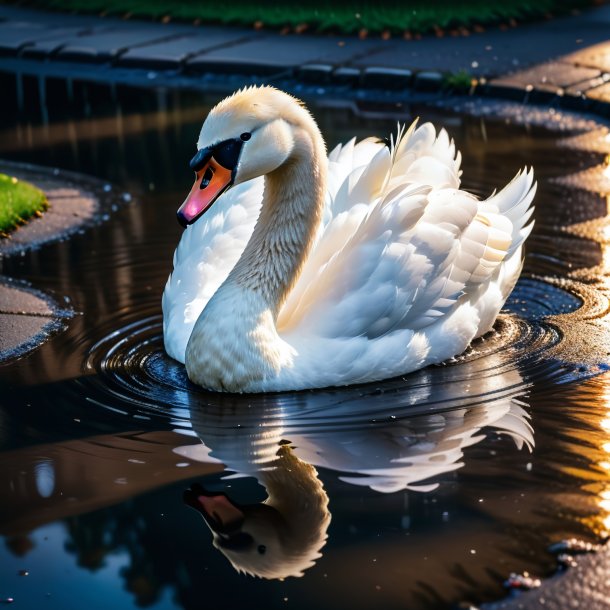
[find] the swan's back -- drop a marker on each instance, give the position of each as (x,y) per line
(402,245)
(408,269)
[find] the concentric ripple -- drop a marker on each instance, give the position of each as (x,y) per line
(133,374)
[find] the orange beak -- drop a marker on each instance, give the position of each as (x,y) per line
(211,181)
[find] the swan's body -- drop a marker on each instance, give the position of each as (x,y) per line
(363,266)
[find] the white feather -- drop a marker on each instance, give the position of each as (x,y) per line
(406,269)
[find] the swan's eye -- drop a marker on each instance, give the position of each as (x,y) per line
(262,549)
(245,136)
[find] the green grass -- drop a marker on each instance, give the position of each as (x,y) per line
(19,201)
(458,81)
(347,16)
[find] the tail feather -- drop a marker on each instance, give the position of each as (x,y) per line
(514,202)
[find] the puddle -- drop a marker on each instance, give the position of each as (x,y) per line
(425,491)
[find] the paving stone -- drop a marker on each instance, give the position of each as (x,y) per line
(18,330)
(16,301)
(600,94)
(597,56)
(262,56)
(172,53)
(16,35)
(428,80)
(315,73)
(579,89)
(495,52)
(69,208)
(347,76)
(49,44)
(108,44)
(386,78)
(63,212)
(549,76)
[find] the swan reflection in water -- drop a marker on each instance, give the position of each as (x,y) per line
(280,439)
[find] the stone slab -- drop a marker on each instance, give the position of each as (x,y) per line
(16,35)
(599,94)
(55,39)
(597,56)
(66,207)
(270,55)
(75,201)
(108,44)
(550,76)
(172,53)
(579,89)
(16,301)
(495,52)
(18,330)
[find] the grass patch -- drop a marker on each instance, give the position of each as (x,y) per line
(458,81)
(346,16)
(19,201)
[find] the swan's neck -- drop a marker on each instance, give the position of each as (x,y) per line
(295,490)
(297,494)
(234,345)
(291,213)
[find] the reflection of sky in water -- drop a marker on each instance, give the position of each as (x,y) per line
(52,570)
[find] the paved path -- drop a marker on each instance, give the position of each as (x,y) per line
(70,206)
(585,585)
(569,52)
(27,316)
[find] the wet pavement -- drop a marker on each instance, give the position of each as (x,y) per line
(563,57)
(586,584)
(70,208)
(28,317)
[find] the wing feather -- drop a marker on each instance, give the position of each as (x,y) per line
(402,244)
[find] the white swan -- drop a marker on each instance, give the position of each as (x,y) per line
(313,272)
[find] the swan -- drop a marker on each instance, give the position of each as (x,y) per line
(297,270)
(280,537)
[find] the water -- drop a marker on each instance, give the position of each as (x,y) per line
(419,492)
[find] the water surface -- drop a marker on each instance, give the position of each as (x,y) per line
(425,491)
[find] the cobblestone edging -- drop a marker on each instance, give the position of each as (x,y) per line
(27,318)
(75,202)
(564,61)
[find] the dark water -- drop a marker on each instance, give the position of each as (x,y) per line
(427,491)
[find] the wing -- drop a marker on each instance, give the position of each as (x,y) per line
(402,244)
(207,252)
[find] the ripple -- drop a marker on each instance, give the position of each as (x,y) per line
(133,374)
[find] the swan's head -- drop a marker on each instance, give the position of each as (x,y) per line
(251,133)
(258,539)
